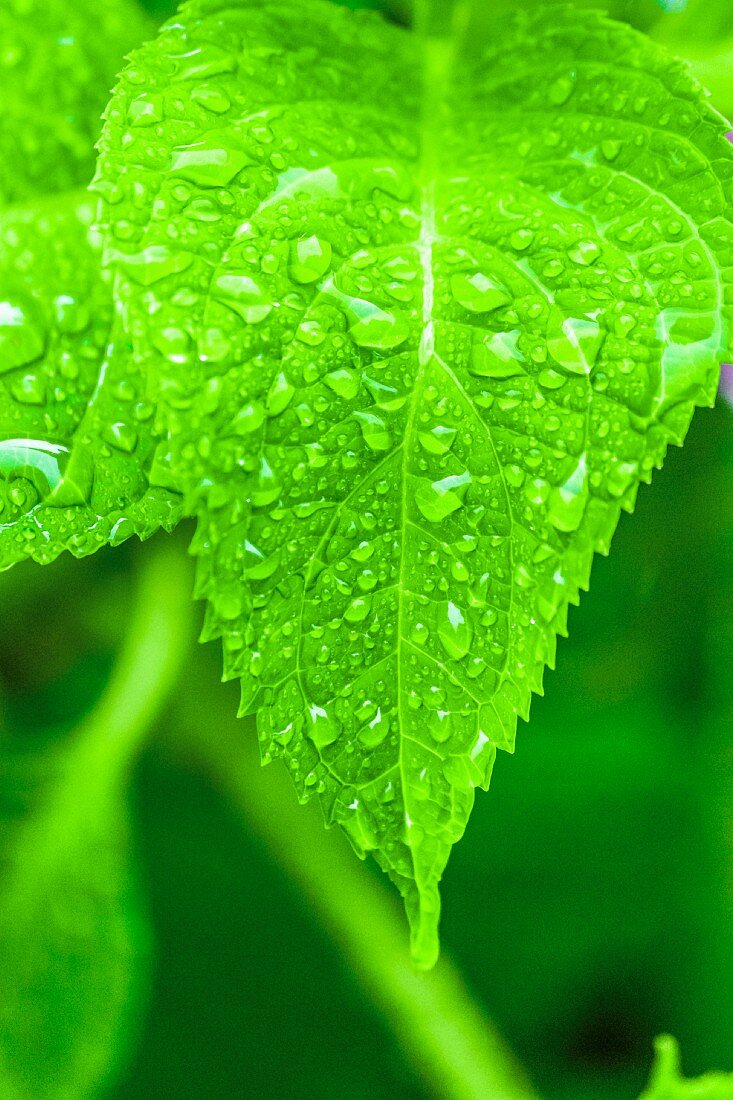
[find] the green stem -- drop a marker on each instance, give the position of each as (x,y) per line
(157,641)
(441,1029)
(82,799)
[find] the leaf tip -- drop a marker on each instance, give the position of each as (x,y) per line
(423,914)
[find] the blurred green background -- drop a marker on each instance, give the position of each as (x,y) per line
(589,906)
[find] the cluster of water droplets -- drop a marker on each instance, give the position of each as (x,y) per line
(73,410)
(410,410)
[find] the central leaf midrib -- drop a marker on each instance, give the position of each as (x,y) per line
(437,57)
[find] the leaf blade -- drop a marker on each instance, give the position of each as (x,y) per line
(76,443)
(447,317)
(57,62)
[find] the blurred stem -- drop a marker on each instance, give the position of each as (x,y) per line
(157,641)
(94,761)
(443,1032)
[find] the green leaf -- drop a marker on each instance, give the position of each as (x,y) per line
(78,464)
(56,63)
(73,938)
(422,310)
(695,24)
(640,13)
(667,1082)
(703,34)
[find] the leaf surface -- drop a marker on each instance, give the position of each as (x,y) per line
(73,937)
(667,1082)
(78,464)
(57,61)
(421,311)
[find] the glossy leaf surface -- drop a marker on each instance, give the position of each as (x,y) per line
(78,465)
(420,310)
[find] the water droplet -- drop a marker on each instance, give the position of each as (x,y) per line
(37,461)
(561,89)
(22,338)
(419,634)
(322,729)
(212,98)
(344,382)
(121,436)
(439,440)
(438,499)
(566,503)
(160,475)
(497,356)
(521,239)
(145,109)
(249,418)
(172,342)
(522,576)
(30,389)
(71,315)
(585,253)
(453,630)
(207,60)
(211,162)
(243,295)
(150,264)
(459,572)
(624,324)
(551,379)
(376,328)
(514,476)
(310,333)
(279,395)
(268,487)
(575,344)
(311,259)
(60,477)
(385,397)
(611,148)
(374,430)
(440,725)
(479,293)
(258,566)
(358,609)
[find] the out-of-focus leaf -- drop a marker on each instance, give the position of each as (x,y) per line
(696,23)
(640,13)
(667,1082)
(73,937)
(58,58)
(72,934)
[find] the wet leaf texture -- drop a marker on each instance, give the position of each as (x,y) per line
(78,468)
(78,464)
(420,311)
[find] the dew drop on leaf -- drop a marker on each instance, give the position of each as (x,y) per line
(479,293)
(311,259)
(453,630)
